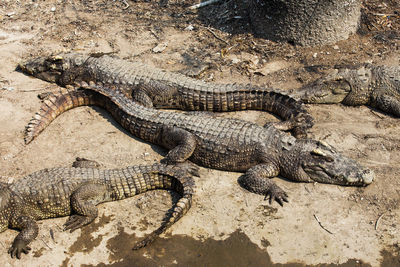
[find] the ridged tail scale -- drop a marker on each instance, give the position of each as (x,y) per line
(53,106)
(174,178)
(236,97)
(59,187)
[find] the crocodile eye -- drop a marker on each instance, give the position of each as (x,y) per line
(319,154)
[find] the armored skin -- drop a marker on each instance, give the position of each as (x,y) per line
(155,87)
(58,192)
(375,86)
(219,143)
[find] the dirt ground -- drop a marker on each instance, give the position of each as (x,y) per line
(227,226)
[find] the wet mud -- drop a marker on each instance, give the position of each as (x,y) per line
(236,250)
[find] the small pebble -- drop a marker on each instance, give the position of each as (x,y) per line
(189,28)
(53,9)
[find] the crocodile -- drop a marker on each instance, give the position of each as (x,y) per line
(154,87)
(218,143)
(58,192)
(375,86)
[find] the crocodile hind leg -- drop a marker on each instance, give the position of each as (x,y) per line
(256,180)
(180,142)
(83,203)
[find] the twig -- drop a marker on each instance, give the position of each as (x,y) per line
(305,187)
(125,3)
(320,224)
(376,114)
(52,235)
(216,36)
(203,4)
(33,90)
(46,244)
(378,220)
(383,15)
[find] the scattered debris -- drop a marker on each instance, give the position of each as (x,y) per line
(8,88)
(215,35)
(378,220)
(189,28)
(160,47)
(125,3)
(44,242)
(320,224)
(203,4)
(377,114)
(11,14)
(52,234)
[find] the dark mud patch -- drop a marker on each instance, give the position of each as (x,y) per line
(145,224)
(65,263)
(38,252)
(391,257)
(86,242)
(179,250)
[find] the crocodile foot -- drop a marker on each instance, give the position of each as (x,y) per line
(85,163)
(76,221)
(17,247)
(277,194)
(189,168)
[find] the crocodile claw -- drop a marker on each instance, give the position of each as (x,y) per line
(277,194)
(190,168)
(17,247)
(74,222)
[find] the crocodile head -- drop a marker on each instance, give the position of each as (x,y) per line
(330,89)
(52,68)
(319,162)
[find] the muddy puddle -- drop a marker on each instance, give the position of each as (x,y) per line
(236,250)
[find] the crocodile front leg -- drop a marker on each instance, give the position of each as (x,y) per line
(180,142)
(255,180)
(29,231)
(83,203)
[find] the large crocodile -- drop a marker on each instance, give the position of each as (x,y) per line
(57,192)
(219,143)
(154,87)
(375,86)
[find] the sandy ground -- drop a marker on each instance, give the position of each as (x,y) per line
(226,225)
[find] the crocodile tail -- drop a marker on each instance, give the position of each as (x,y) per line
(111,92)
(232,97)
(53,106)
(295,117)
(182,183)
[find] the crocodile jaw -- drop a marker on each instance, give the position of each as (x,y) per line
(41,68)
(324,164)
